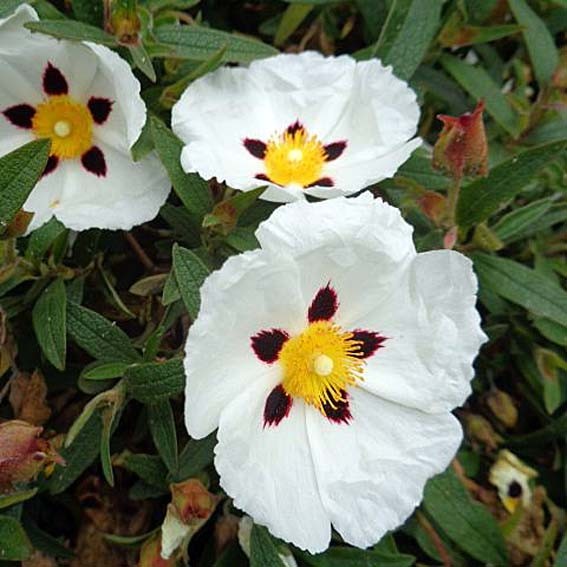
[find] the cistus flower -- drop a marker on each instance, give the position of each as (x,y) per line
(23,453)
(86,100)
(302,124)
(330,359)
(512,477)
(461,148)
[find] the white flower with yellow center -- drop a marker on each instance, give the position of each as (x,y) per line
(329,360)
(301,124)
(86,100)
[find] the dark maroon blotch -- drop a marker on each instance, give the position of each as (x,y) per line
(324,305)
(256,147)
(341,412)
(515,489)
(100,108)
(263,177)
(94,162)
(20,115)
(323,182)
(334,150)
(278,406)
(295,127)
(267,344)
(54,83)
(369,341)
(52,163)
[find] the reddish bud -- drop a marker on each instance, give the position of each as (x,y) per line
(150,554)
(23,453)
(461,148)
(433,205)
(192,501)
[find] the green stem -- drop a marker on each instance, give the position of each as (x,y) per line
(452,200)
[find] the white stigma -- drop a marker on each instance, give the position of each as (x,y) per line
(62,128)
(323,365)
(295,155)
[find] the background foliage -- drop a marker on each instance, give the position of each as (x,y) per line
(93,324)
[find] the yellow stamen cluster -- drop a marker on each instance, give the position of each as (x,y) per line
(320,363)
(67,123)
(294,158)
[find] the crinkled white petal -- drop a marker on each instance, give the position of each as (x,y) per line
(433,331)
(371,472)
(131,193)
(252,292)
(335,98)
(269,471)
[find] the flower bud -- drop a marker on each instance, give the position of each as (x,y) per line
(150,554)
(23,453)
(480,429)
(125,22)
(503,408)
(461,148)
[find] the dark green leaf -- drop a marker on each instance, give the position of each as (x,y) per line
(14,543)
(196,455)
(143,61)
(88,11)
(516,224)
(19,172)
(41,239)
(349,557)
(105,370)
(76,31)
(155,381)
(263,549)
(162,427)
(49,318)
(7,500)
(149,468)
(291,20)
(190,273)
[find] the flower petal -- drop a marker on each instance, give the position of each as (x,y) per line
(237,302)
(269,471)
(371,472)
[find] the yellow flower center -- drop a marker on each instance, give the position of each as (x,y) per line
(320,363)
(67,123)
(294,158)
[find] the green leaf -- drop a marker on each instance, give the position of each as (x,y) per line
(190,273)
(200,43)
(42,238)
(552,331)
(14,543)
(486,195)
(143,61)
(197,454)
(155,381)
(349,557)
(19,172)
(149,468)
(480,85)
(73,30)
(540,42)
(263,549)
(190,188)
(7,500)
(88,11)
(405,38)
(561,557)
(521,285)
(555,430)
(105,370)
(99,337)
(291,20)
(516,224)
(467,523)
(44,542)
(49,317)
(162,427)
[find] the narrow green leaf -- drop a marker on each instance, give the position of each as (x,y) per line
(155,381)
(88,11)
(73,30)
(98,336)
(480,85)
(42,238)
(149,468)
(540,42)
(263,549)
(105,371)
(200,43)
(7,500)
(197,454)
(557,429)
(19,172)
(349,557)
(14,543)
(44,542)
(190,188)
(552,331)
(409,30)
(521,285)
(49,317)
(190,273)
(467,523)
(483,197)
(515,224)
(291,20)
(143,61)
(561,557)
(162,427)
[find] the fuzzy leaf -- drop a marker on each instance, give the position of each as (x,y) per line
(190,273)
(155,381)
(14,543)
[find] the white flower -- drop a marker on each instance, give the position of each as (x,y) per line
(302,124)
(512,476)
(85,98)
(330,360)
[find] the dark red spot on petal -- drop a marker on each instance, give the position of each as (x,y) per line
(324,305)
(295,127)
(20,115)
(278,406)
(54,83)
(263,177)
(323,182)
(256,147)
(99,108)
(93,161)
(340,413)
(334,150)
(52,163)
(267,344)
(369,341)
